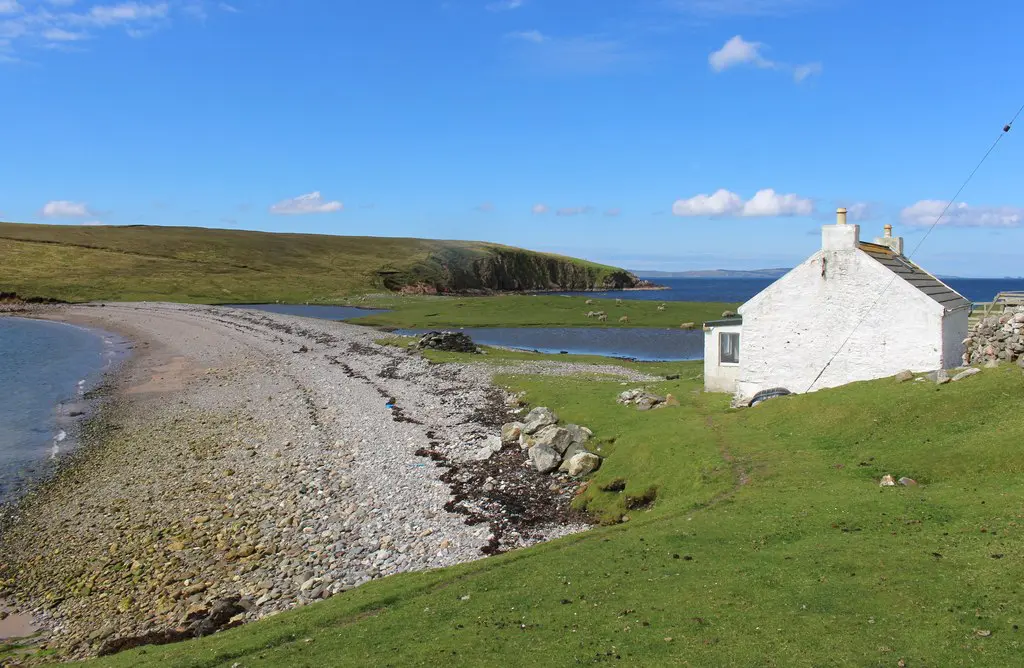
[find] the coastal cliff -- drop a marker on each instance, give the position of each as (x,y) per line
(75,263)
(504,269)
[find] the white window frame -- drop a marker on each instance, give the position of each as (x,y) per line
(721,348)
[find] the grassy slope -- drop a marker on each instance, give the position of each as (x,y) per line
(538,311)
(77,263)
(770,543)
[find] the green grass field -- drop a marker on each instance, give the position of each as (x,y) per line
(535,311)
(769,543)
(182,264)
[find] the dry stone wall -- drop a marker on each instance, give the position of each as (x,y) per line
(997,338)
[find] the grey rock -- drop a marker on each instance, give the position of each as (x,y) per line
(544,459)
(966,373)
(941,377)
(556,438)
(904,376)
(510,432)
(579,434)
(539,418)
(571,452)
(491,446)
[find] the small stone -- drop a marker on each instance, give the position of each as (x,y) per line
(510,432)
(967,373)
(983,633)
(671,400)
(887,481)
(941,377)
(991,364)
(904,376)
(908,482)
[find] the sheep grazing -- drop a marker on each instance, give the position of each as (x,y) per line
(589,302)
(624,319)
(618,302)
(592,314)
(661,307)
(687,325)
(603,317)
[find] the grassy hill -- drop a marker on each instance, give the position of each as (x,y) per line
(769,543)
(185,264)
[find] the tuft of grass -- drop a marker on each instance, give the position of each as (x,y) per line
(769,542)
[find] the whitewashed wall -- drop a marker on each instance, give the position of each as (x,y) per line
(720,377)
(791,329)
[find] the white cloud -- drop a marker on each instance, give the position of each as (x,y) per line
(34,24)
(92,223)
(722,203)
(65,209)
(725,8)
(61,35)
(613,212)
(738,51)
(764,203)
(767,202)
(925,212)
(225,7)
(583,54)
(574,210)
(539,209)
(304,204)
(504,5)
(534,36)
(859,211)
(486,207)
(125,12)
(801,72)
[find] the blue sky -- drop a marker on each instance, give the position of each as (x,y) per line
(598,128)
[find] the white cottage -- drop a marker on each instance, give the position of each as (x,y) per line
(895,315)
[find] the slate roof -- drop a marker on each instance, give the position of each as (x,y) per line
(915,275)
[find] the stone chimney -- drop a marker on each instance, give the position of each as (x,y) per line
(840,237)
(895,243)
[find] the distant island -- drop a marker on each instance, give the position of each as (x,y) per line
(715,273)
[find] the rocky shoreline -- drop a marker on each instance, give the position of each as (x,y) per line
(246,463)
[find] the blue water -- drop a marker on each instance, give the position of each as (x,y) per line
(742,289)
(644,344)
(45,370)
(322,312)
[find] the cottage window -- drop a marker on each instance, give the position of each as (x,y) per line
(729,348)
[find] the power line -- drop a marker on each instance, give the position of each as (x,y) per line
(999,138)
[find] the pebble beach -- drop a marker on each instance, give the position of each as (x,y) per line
(266,461)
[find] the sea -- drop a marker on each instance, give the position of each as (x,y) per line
(742,289)
(46,372)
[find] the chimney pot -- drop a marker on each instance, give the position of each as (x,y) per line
(888,231)
(840,216)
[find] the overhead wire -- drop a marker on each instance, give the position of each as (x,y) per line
(942,214)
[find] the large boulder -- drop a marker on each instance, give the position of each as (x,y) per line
(544,459)
(539,418)
(510,432)
(584,463)
(556,438)
(454,342)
